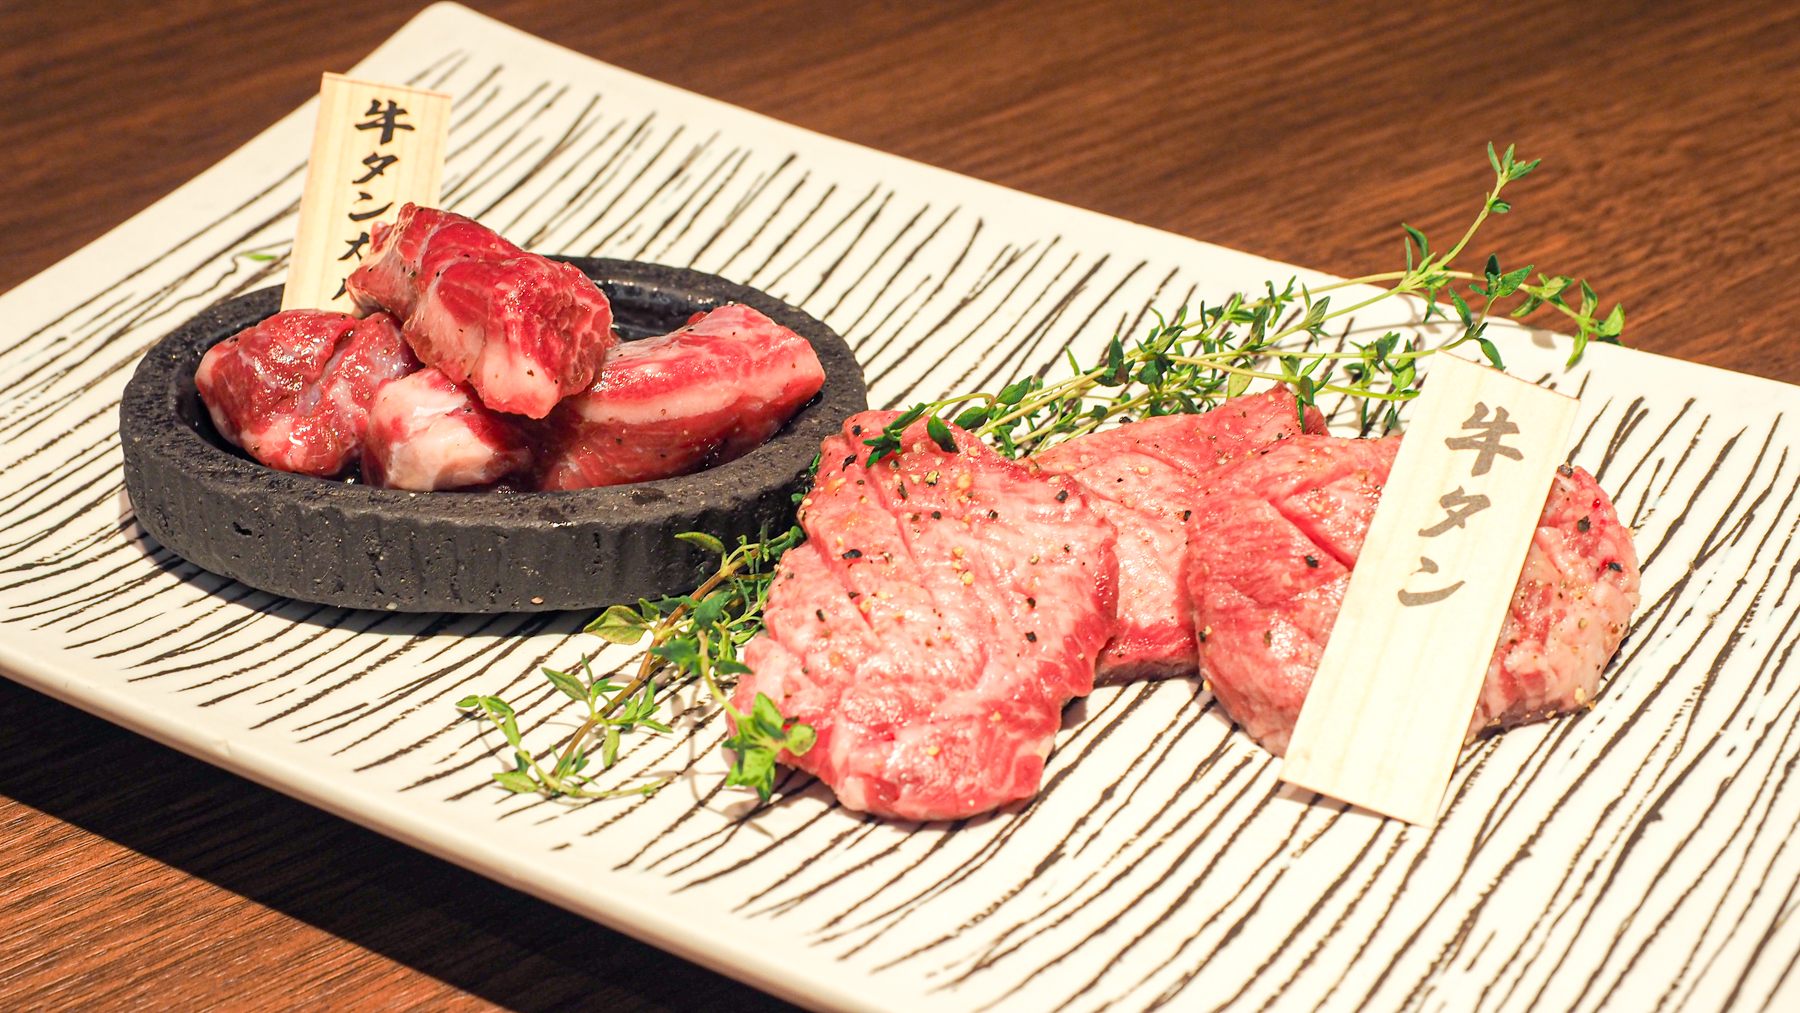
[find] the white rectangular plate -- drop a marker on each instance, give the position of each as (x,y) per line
(1636,855)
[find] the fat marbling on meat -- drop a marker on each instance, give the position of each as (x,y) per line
(1144,479)
(670,405)
(427,432)
(943,609)
(523,330)
(294,390)
(1271,549)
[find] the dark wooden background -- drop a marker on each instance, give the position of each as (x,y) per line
(1670,134)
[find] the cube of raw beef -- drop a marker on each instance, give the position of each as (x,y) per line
(420,242)
(294,390)
(1273,546)
(1144,478)
(523,330)
(943,609)
(427,432)
(664,406)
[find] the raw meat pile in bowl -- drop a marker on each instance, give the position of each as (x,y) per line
(481,365)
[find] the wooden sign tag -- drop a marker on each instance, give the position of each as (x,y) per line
(1385,719)
(376,147)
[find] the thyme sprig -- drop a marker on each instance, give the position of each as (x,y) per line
(610,711)
(1192,361)
(693,637)
(1187,362)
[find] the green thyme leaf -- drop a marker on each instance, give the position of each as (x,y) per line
(971,417)
(1492,353)
(766,715)
(1419,238)
(1614,323)
(1508,283)
(800,738)
(705,541)
(754,768)
(568,685)
(620,624)
(940,434)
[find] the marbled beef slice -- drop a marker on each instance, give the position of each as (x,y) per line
(1144,478)
(943,610)
(1272,547)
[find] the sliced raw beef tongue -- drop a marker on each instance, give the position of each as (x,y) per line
(1271,549)
(294,390)
(944,608)
(670,405)
(1144,478)
(525,331)
(427,432)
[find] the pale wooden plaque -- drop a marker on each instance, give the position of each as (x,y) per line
(376,147)
(1385,719)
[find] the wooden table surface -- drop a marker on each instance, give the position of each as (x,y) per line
(131,875)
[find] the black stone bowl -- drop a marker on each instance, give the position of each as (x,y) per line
(345,544)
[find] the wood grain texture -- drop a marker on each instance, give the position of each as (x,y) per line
(129,874)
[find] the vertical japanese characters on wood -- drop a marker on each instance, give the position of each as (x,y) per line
(376,147)
(1385,719)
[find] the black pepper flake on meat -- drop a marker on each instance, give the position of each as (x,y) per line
(1062,496)
(1185,514)
(1269,638)
(1031,603)
(1583,525)
(1313,562)
(1032,637)
(1615,566)
(820,613)
(853,554)
(993,515)
(1565,470)
(937,515)
(856,430)
(848,461)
